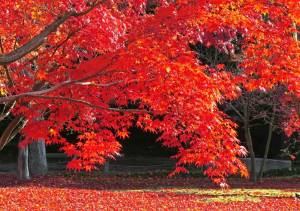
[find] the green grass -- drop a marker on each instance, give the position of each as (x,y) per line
(228,192)
(229,199)
(226,196)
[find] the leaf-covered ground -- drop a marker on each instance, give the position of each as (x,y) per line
(90,192)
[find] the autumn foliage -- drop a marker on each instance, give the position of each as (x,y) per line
(109,65)
(138,193)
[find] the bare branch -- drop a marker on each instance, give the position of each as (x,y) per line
(5,112)
(9,130)
(58,86)
(237,111)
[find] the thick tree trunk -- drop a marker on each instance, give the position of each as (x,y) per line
(37,158)
(23,170)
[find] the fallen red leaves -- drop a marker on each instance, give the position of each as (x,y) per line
(134,193)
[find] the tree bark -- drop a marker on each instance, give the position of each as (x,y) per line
(38,165)
(252,154)
(11,131)
(23,170)
(106,167)
(249,140)
(270,132)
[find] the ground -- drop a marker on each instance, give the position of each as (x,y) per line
(132,192)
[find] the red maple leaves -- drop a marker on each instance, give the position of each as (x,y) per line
(145,60)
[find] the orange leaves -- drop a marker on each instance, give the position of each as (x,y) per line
(261,8)
(41,75)
(74,164)
(178,170)
(168,69)
(53,132)
(87,136)
(123,134)
(293,123)
(244,171)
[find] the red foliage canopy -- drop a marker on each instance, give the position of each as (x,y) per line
(97,59)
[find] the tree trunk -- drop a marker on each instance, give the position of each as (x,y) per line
(270,132)
(249,139)
(23,170)
(252,154)
(37,158)
(106,167)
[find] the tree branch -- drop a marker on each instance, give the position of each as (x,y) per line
(89,83)
(38,40)
(5,112)
(56,87)
(89,104)
(236,111)
(6,136)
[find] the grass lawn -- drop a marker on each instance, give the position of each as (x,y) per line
(94,192)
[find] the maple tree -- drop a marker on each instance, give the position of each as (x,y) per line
(79,64)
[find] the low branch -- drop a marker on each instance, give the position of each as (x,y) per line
(56,87)
(89,104)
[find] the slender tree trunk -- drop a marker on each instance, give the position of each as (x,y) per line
(252,154)
(37,158)
(106,167)
(249,139)
(23,170)
(295,35)
(270,132)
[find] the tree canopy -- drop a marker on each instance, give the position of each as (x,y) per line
(100,67)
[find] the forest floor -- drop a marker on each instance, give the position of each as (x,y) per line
(94,191)
(137,183)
